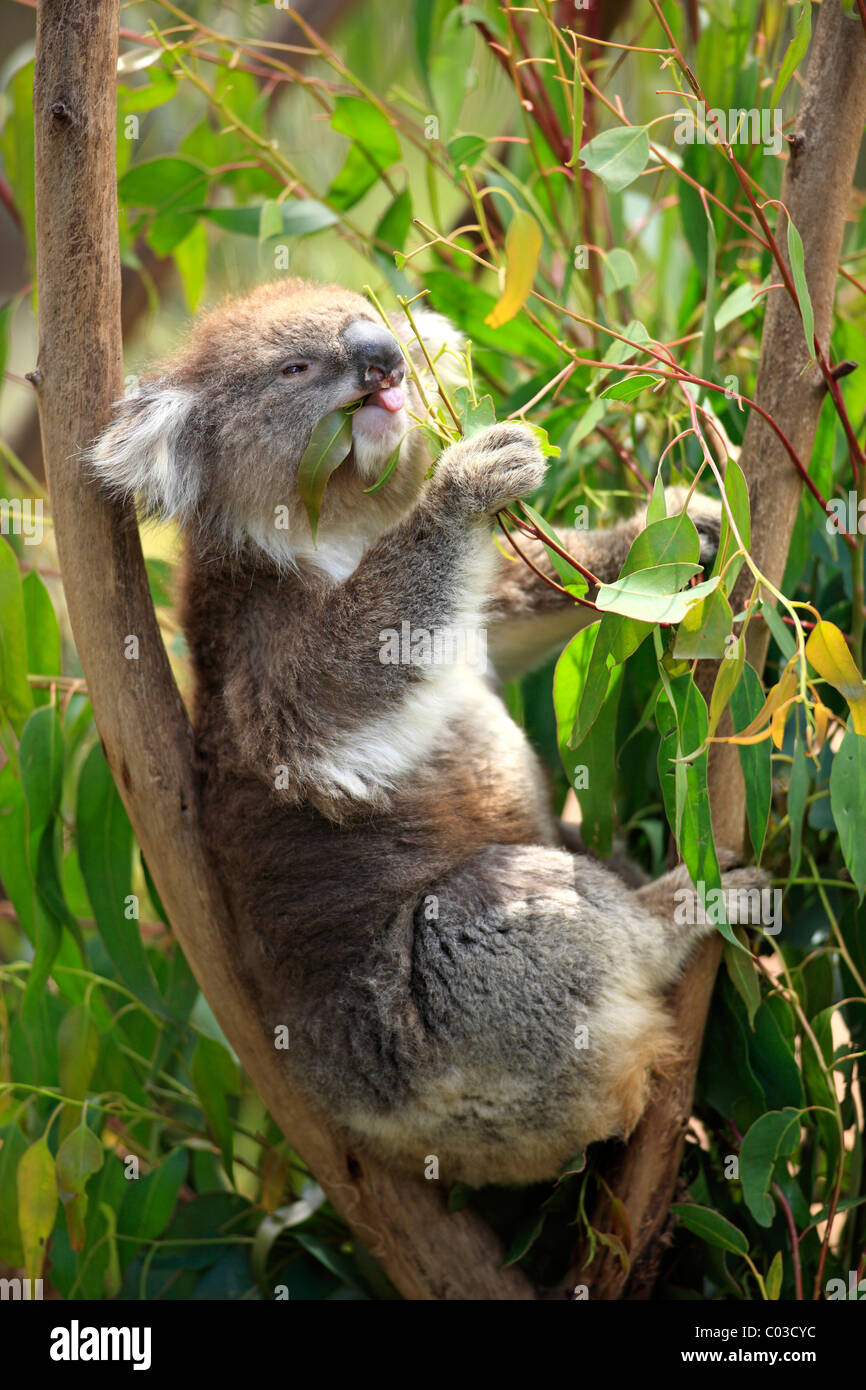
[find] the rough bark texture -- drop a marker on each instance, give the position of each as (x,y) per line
(427,1252)
(817,192)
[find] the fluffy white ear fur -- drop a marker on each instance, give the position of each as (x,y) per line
(139,453)
(443,341)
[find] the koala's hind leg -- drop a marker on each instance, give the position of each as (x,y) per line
(674,899)
(537,987)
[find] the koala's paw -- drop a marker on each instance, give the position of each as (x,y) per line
(706,513)
(492,469)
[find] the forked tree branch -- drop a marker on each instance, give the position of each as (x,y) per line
(428,1252)
(816,190)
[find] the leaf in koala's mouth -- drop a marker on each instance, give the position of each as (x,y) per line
(329,446)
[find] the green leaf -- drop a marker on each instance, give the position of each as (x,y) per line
(598,753)
(43,633)
(329,445)
(364,123)
(300,216)
(77,1051)
(747,700)
(78,1158)
(798,788)
(356,177)
(149,1201)
(270,220)
(16,146)
(375,148)
(105,856)
(798,272)
(527,1234)
(795,51)
(619,271)
(577,116)
(627,387)
(588,662)
(727,679)
(617,156)
(393,226)
(681,714)
(449,68)
(41,757)
(12,1146)
(783,635)
(657,506)
(773,1279)
(154,183)
(739,966)
(190,257)
(168,230)
(567,572)
(771,1049)
(671,539)
(474,416)
(422,12)
(15,696)
(737,303)
(848,802)
(37,1205)
(737,495)
(705,629)
(711,1227)
(708,327)
(654,595)
(464,151)
(215,1076)
(773,1136)
(41,763)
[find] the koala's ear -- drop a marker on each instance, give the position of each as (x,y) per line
(443,341)
(146,451)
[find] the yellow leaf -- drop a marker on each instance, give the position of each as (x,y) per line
(777,724)
(780,694)
(816,738)
(522,249)
(37,1204)
(828,653)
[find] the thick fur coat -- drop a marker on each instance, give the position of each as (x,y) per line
(454,982)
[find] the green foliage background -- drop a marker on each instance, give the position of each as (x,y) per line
(402,167)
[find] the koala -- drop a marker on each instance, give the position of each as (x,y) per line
(455,982)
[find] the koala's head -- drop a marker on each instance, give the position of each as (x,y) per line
(215,438)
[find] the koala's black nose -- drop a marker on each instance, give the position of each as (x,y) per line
(375,353)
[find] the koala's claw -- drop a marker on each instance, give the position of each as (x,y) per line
(492,469)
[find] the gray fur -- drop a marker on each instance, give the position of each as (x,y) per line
(383,832)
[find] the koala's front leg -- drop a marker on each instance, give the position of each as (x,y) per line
(435,569)
(361,678)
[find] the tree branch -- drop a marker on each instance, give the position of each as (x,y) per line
(427,1252)
(817,192)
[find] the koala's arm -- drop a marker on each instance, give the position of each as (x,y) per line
(317,695)
(528,620)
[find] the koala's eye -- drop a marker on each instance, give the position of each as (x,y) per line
(293,368)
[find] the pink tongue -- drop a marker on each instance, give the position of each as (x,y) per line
(391,398)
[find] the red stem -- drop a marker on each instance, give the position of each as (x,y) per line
(526,560)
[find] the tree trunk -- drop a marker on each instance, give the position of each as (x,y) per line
(817,191)
(428,1252)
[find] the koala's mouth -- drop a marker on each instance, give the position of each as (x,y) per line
(390,398)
